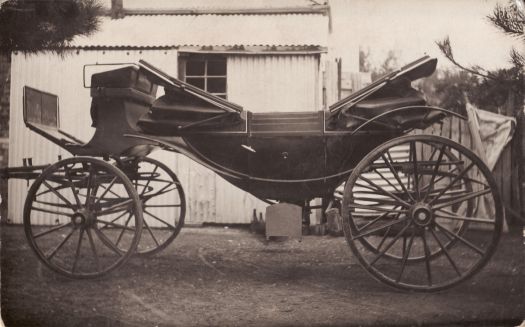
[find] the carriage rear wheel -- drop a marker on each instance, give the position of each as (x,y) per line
(422,213)
(163,204)
(83,217)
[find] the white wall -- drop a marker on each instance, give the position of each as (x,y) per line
(265,83)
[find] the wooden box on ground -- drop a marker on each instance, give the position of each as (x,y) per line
(283,219)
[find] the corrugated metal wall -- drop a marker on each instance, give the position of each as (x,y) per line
(259,83)
(274,83)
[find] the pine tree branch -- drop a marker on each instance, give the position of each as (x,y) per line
(510,20)
(446,49)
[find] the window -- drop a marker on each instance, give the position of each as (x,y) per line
(205,72)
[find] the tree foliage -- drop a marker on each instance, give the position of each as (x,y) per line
(36,25)
(490,89)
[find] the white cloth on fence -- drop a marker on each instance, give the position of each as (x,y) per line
(495,131)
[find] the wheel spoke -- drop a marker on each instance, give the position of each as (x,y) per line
(472,195)
(115,219)
(149,180)
(77,253)
(108,223)
(72,185)
(383,191)
(436,169)
(106,241)
(377,229)
(377,201)
(113,193)
(383,239)
(461,239)
(157,218)
(454,181)
(123,229)
(443,175)
(444,249)
(381,216)
(413,154)
(55,250)
(54,229)
(51,211)
(427,258)
(160,192)
(394,172)
(89,186)
(382,253)
(386,180)
(361,206)
(116,207)
(60,196)
(93,249)
(106,190)
(406,254)
(453,216)
(151,232)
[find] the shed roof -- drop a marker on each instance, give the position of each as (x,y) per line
(163,31)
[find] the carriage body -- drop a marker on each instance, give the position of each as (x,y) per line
(427,182)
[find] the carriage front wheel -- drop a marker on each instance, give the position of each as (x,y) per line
(83,217)
(422,212)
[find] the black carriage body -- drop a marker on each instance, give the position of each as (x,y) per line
(289,164)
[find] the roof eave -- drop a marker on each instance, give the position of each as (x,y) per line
(318,9)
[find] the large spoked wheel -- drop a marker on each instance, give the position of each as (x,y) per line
(422,213)
(163,204)
(83,217)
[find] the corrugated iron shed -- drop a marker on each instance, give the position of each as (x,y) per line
(165,31)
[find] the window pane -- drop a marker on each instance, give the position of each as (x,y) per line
(217,85)
(217,68)
(198,82)
(221,96)
(194,68)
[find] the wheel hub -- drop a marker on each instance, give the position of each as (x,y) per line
(82,218)
(421,214)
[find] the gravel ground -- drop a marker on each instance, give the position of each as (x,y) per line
(230,277)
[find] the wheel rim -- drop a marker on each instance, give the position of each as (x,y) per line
(412,213)
(82,217)
(163,204)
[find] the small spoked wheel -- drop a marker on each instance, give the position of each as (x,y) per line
(163,203)
(422,213)
(83,217)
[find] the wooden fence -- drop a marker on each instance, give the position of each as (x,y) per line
(507,167)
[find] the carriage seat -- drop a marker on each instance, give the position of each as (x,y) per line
(422,117)
(373,107)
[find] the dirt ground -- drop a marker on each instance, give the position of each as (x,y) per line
(230,277)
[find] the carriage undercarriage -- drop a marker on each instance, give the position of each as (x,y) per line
(420,212)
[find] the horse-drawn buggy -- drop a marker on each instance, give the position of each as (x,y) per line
(420,212)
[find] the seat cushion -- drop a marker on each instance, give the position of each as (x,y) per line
(373,107)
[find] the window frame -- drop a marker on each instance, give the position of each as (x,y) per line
(184,58)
